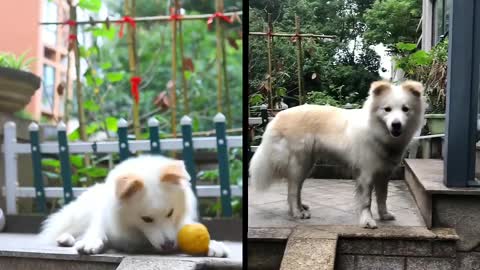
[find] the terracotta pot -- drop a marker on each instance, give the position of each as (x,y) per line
(16,88)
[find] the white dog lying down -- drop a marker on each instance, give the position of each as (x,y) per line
(141,206)
(372,140)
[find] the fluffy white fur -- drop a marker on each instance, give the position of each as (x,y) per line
(372,140)
(113,214)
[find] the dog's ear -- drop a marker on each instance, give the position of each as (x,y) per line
(175,172)
(416,88)
(128,185)
(378,87)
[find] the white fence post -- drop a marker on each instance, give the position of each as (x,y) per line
(11,171)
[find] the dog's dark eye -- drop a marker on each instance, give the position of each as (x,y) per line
(170,213)
(147,219)
(387,109)
(405,109)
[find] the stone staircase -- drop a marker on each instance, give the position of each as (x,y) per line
(353,248)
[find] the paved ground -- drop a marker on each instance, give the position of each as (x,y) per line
(331,203)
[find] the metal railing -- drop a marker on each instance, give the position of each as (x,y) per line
(125,148)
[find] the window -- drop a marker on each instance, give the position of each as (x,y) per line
(49,32)
(441,17)
(48,92)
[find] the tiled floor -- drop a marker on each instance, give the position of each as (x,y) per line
(331,202)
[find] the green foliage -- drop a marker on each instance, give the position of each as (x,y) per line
(392,21)
(114,76)
(91,106)
(321,98)
(235,170)
(91,5)
(106,82)
(81,175)
(21,62)
(409,59)
(236,178)
(105,32)
(430,68)
(341,69)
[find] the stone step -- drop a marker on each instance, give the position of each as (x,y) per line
(310,249)
(351,247)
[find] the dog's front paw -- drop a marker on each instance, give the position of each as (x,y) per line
(90,246)
(386,216)
(367,221)
(301,214)
(66,240)
(217,249)
(305,206)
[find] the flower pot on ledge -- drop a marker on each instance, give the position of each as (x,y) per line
(16,89)
(436,123)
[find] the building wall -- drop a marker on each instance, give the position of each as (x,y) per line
(21,32)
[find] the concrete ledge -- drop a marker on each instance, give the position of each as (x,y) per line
(15,263)
(346,231)
(269,233)
(25,250)
(429,174)
(441,206)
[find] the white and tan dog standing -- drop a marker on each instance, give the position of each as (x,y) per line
(372,140)
(141,206)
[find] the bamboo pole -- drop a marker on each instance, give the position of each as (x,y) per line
(219,8)
(186,107)
(66,105)
(225,81)
(292,35)
(301,94)
(76,52)
(129,10)
(174,74)
(162,18)
(269,57)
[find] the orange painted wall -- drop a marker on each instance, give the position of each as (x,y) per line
(20,31)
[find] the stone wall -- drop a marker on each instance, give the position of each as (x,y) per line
(401,254)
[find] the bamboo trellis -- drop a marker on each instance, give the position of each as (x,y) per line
(298,36)
(175,18)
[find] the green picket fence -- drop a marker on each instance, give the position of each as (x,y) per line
(126,148)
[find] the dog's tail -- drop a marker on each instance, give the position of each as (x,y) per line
(263,165)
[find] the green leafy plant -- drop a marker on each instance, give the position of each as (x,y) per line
(236,177)
(82,176)
(21,62)
(320,98)
(430,68)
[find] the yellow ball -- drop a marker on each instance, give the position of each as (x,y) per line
(194,239)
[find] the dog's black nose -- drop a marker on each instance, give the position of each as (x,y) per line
(168,245)
(396,125)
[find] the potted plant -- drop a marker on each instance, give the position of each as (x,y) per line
(430,68)
(17,84)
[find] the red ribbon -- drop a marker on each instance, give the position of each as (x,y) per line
(72,37)
(125,19)
(135,81)
(69,23)
(175,17)
(220,16)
